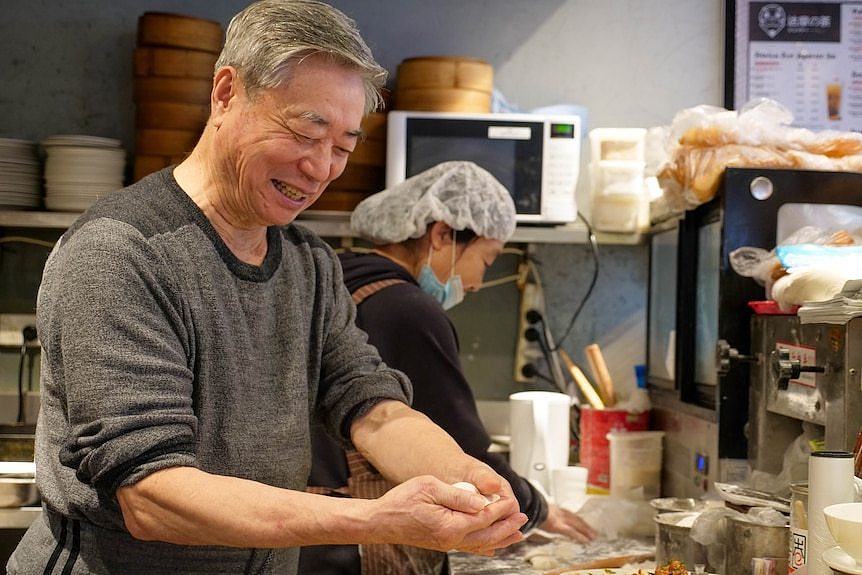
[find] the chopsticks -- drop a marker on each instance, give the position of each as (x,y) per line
(607,563)
(600,371)
(585,386)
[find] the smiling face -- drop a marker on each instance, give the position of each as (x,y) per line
(277,151)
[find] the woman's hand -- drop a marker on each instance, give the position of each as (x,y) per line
(568,523)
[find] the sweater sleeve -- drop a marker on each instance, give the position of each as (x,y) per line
(415,336)
(115,338)
(353,376)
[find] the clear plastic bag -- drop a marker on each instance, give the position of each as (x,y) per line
(705,140)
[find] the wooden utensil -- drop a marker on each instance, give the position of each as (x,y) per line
(583,383)
(600,371)
(607,563)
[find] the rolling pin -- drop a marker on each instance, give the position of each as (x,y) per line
(607,563)
(583,383)
(600,370)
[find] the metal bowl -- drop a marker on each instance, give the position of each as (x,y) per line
(668,504)
(18,492)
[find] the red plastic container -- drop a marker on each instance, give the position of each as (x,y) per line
(595,448)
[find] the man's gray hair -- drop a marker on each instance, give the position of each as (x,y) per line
(269,37)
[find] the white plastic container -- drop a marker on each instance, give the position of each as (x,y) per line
(617,177)
(617,213)
(636,458)
(617,144)
(620,201)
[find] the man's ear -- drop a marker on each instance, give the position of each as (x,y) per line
(226,85)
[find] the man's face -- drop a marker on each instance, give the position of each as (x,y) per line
(280,149)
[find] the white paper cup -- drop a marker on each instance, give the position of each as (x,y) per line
(569,486)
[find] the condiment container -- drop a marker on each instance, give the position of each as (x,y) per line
(830,480)
(798,540)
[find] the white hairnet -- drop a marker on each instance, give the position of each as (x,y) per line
(460,194)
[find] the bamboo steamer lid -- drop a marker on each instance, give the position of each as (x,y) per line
(179,31)
(163,89)
(174,62)
(171,115)
(445,72)
(165,142)
(443,100)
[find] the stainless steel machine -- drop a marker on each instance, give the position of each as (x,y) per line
(802,373)
(703,367)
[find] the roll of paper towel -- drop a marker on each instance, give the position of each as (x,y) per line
(830,480)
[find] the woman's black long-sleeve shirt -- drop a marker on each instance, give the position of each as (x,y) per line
(413,334)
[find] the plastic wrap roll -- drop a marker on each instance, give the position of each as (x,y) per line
(830,480)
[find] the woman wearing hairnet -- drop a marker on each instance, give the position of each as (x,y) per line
(435,235)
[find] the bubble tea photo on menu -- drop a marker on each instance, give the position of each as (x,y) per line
(833,100)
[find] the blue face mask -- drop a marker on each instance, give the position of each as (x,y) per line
(449,294)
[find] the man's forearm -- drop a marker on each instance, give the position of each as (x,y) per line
(402,443)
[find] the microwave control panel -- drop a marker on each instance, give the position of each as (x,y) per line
(562,164)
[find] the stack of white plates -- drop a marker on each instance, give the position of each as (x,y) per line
(20,177)
(80,169)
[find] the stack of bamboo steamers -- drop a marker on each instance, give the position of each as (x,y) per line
(423,83)
(174,62)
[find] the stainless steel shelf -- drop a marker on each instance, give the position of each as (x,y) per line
(336,225)
(18,517)
(22,219)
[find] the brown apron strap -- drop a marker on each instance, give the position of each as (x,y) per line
(365,482)
(372,288)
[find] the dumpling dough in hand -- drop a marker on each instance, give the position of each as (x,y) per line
(470,487)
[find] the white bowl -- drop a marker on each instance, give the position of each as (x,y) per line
(845,523)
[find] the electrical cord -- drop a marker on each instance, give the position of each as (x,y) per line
(28,334)
(594,249)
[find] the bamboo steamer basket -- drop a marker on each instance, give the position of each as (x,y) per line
(171,115)
(174,62)
(443,100)
(354,185)
(147,164)
(163,89)
(179,31)
(165,142)
(374,126)
(370,152)
(338,200)
(361,178)
(445,72)
(444,84)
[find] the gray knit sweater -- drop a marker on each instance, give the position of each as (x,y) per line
(161,349)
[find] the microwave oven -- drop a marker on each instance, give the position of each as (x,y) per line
(536,157)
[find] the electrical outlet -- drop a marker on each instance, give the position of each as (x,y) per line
(12,326)
(528,351)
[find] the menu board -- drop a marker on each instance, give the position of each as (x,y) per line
(805,55)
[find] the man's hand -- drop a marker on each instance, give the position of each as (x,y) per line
(426,512)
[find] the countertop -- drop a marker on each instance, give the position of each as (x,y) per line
(540,553)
